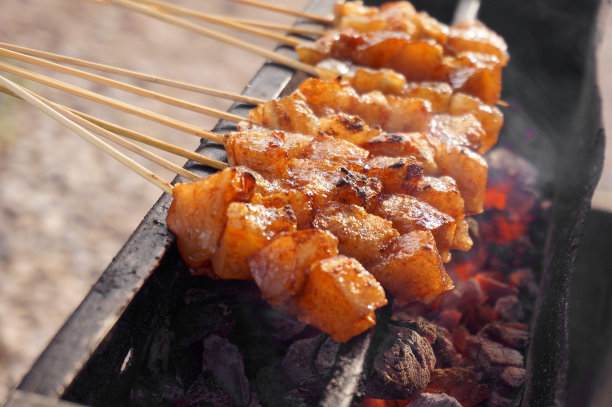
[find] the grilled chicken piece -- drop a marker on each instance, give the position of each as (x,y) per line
(467,168)
(411,268)
(404,145)
(355,188)
(198,213)
(267,151)
(475,73)
(348,127)
(408,213)
(360,235)
(394,172)
(264,150)
(301,274)
(340,297)
(462,130)
(280,269)
(474,36)
(443,194)
(392,16)
(290,113)
(490,117)
(391,113)
(249,227)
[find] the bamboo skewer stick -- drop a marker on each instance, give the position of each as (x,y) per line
(182,11)
(119,85)
(124,107)
(132,74)
(127,144)
(54,114)
(286,10)
(273,56)
(466,10)
(122,131)
(279,27)
(76,116)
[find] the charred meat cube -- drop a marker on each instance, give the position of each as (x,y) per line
(408,213)
(403,145)
(411,268)
(360,235)
(356,188)
(443,194)
(248,228)
(348,127)
(198,213)
(280,269)
(340,297)
(265,151)
(394,172)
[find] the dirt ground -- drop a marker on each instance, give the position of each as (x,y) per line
(65,208)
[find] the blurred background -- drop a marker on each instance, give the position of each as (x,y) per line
(66,208)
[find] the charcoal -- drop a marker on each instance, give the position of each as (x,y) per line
(507,334)
(510,308)
(196,321)
(225,362)
(476,318)
(283,326)
(460,383)
(488,354)
(496,400)
(525,281)
(511,380)
(466,295)
(326,357)
(449,319)
(495,289)
(434,400)
(204,391)
(444,350)
(421,326)
(299,367)
(401,367)
(272,385)
(157,390)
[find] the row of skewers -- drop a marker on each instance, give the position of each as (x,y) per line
(359,180)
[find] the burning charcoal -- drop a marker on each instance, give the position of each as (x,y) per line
(512,335)
(444,350)
(491,356)
(466,295)
(460,383)
(494,289)
(401,367)
(449,319)
(460,339)
(434,400)
(511,380)
(225,362)
(476,318)
(510,308)
(299,367)
(524,280)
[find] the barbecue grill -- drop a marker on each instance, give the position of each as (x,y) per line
(553,121)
